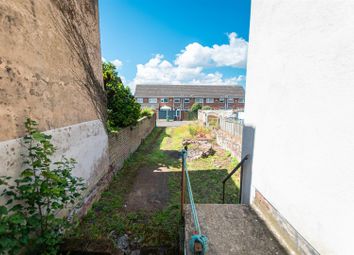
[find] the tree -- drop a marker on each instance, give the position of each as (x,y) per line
(122,108)
(195,107)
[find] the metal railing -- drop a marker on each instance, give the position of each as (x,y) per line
(198,243)
(239,166)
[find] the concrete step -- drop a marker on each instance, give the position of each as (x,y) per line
(232,229)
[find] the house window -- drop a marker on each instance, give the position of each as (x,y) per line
(164,100)
(177,100)
(230,100)
(199,100)
(221,99)
(187,100)
(153,100)
(210,100)
(241,100)
(140,100)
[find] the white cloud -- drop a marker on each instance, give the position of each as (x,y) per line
(103,59)
(159,71)
(188,67)
(233,54)
(118,64)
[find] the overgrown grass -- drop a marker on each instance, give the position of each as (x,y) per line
(158,228)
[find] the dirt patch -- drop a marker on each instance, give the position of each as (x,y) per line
(150,190)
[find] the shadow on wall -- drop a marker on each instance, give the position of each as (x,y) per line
(248,137)
(76,29)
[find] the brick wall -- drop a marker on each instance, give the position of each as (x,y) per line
(121,146)
(124,143)
(216,105)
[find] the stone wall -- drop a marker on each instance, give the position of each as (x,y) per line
(50,70)
(50,64)
(228,132)
(229,142)
(126,141)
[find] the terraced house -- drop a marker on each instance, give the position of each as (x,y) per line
(182,97)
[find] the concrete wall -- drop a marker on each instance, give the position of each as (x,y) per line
(50,70)
(127,140)
(299,125)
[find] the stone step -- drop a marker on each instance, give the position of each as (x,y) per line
(232,229)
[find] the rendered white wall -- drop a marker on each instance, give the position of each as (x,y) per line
(300,105)
(86,142)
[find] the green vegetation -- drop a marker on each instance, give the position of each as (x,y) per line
(29,220)
(148,112)
(160,228)
(206,107)
(122,108)
(195,107)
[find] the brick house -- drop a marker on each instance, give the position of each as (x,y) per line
(182,97)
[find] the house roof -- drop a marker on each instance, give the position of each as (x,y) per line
(211,91)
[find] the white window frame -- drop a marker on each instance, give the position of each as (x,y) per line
(230,100)
(164,100)
(177,100)
(186,100)
(152,100)
(241,100)
(199,100)
(140,100)
(221,100)
(209,100)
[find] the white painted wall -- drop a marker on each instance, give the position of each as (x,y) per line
(86,142)
(300,102)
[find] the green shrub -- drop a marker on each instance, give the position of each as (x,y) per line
(195,107)
(29,218)
(206,107)
(122,108)
(197,130)
(148,112)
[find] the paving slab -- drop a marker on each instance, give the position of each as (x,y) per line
(233,229)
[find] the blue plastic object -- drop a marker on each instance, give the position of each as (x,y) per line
(202,239)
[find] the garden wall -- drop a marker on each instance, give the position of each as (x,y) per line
(50,70)
(127,140)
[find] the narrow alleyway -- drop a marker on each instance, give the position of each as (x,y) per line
(140,208)
(139,213)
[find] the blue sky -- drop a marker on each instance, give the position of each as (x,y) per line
(166,41)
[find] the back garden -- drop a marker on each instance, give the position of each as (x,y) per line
(140,209)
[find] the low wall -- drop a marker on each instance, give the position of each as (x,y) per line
(231,143)
(227,130)
(120,146)
(126,141)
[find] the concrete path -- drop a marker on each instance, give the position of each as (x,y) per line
(164,123)
(233,229)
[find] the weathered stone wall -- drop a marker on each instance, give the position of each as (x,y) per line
(229,142)
(50,70)
(50,64)
(126,141)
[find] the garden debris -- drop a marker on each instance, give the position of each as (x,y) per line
(126,243)
(200,148)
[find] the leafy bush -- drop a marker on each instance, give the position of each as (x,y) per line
(43,188)
(122,108)
(206,107)
(198,131)
(148,112)
(195,107)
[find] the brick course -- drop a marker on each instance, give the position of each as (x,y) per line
(127,140)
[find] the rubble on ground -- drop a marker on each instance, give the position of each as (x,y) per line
(200,148)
